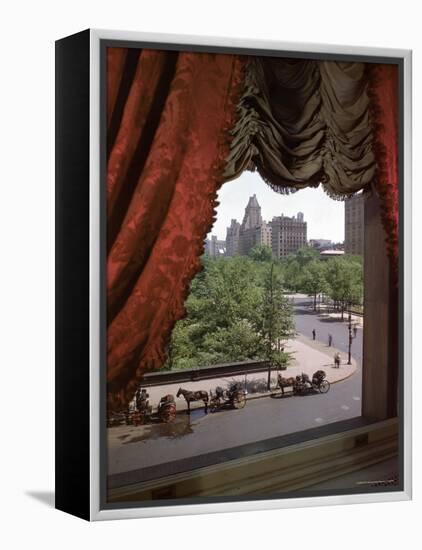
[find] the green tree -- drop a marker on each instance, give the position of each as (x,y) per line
(226,311)
(277,318)
(313,280)
(305,255)
(292,275)
(261,253)
(294,265)
(222,315)
(182,353)
(232,293)
(345,282)
(238,342)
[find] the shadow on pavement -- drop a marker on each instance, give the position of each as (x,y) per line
(279,395)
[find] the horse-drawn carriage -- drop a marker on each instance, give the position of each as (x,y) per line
(141,412)
(233,397)
(302,384)
(166,411)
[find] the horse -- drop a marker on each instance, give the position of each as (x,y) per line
(285,382)
(199,395)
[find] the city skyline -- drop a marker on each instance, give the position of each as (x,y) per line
(284,235)
(324,216)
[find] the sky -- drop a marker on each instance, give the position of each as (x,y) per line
(325,216)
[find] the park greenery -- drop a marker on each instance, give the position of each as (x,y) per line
(238,307)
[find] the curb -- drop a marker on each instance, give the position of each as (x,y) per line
(252,396)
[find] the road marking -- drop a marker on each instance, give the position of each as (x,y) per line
(345,407)
(319,420)
(356,398)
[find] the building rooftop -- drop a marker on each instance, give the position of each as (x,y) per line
(332,253)
(253,202)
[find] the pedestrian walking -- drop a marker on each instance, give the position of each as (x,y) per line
(313,334)
(330,340)
(355,331)
(337,360)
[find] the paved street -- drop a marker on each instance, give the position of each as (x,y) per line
(132,448)
(306,320)
(306,357)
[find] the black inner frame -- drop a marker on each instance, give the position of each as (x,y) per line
(306,435)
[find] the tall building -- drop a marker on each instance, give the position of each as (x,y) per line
(288,234)
(283,235)
(232,239)
(214,247)
(252,220)
(263,234)
(252,217)
(354,224)
(253,229)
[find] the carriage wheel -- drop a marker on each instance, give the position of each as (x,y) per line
(239,401)
(168,416)
(324,386)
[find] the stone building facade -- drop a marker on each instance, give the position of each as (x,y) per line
(283,235)
(288,234)
(354,225)
(232,238)
(214,247)
(252,220)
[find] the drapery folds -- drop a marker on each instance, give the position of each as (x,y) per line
(383,91)
(168,119)
(304,123)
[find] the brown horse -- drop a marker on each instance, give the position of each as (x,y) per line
(199,395)
(285,382)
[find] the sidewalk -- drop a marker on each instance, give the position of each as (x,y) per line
(308,357)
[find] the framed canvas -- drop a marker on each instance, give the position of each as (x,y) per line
(233,274)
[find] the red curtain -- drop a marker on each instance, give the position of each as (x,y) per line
(384,103)
(169,116)
(383,91)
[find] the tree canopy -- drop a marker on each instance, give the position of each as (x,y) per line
(237,309)
(261,253)
(227,314)
(313,279)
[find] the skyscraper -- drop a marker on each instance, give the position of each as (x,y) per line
(283,235)
(252,217)
(288,234)
(354,224)
(232,238)
(214,247)
(250,233)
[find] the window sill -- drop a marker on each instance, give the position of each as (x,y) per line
(288,465)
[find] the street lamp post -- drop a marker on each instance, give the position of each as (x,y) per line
(349,361)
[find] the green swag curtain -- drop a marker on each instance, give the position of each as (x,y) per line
(306,123)
(179,125)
